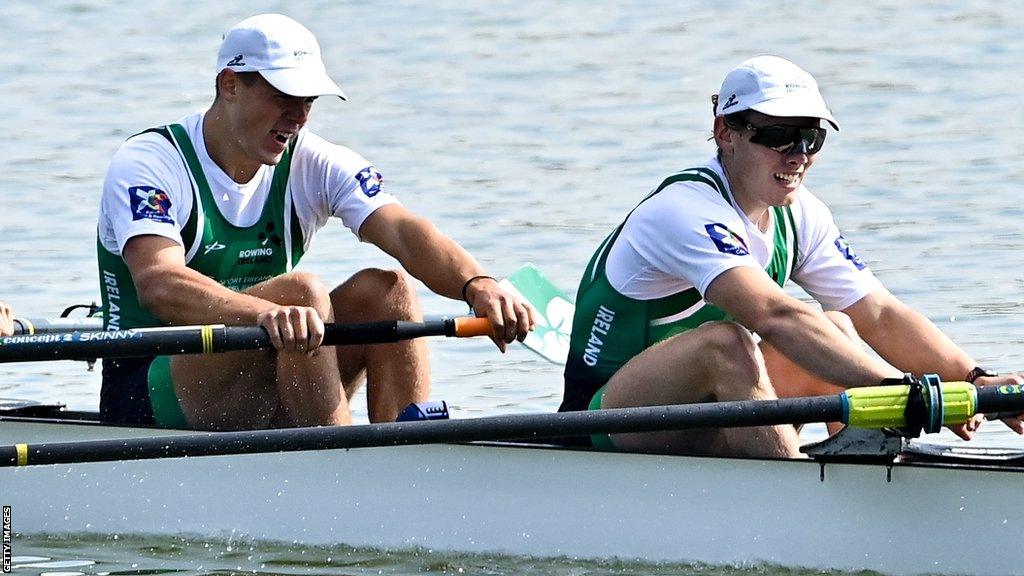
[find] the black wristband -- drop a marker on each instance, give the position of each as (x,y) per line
(466,287)
(978,372)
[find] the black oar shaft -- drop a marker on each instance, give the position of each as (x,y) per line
(510,427)
(384,332)
(88,345)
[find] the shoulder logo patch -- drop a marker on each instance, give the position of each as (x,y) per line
(725,240)
(150,203)
(370,181)
(847,251)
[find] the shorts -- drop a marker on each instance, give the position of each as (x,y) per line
(139,391)
(601,441)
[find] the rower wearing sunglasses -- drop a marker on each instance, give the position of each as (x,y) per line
(684,301)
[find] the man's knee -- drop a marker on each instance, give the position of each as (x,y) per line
(377,289)
(305,289)
(295,289)
(844,323)
(730,347)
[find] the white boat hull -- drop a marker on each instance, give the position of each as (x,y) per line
(541,502)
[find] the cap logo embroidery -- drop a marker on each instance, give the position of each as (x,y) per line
(236,61)
(730,102)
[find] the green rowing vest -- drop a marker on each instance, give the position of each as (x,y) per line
(610,328)
(235,257)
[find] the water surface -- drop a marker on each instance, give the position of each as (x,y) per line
(527,130)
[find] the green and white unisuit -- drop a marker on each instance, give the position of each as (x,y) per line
(646,281)
(163,182)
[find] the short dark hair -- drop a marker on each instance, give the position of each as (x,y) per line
(247,78)
(737,119)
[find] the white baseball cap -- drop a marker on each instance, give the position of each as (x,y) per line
(774,86)
(283,51)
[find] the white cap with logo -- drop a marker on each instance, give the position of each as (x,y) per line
(283,51)
(774,86)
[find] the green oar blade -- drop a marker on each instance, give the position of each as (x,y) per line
(550,339)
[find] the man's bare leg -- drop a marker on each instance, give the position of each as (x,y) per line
(259,389)
(396,374)
(714,362)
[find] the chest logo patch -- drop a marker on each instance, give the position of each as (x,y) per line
(725,240)
(847,251)
(150,203)
(370,180)
(269,235)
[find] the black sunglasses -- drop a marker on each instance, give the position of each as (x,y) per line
(788,139)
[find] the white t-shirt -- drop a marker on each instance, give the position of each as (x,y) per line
(325,180)
(688,234)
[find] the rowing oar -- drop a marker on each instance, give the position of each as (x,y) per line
(874,407)
(29,326)
(550,339)
(91,344)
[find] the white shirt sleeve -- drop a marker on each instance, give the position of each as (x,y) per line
(686,231)
(146,191)
(828,268)
(331,180)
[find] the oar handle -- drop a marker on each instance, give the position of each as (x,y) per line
(466,327)
(91,344)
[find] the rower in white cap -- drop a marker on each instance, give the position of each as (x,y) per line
(684,301)
(203,220)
